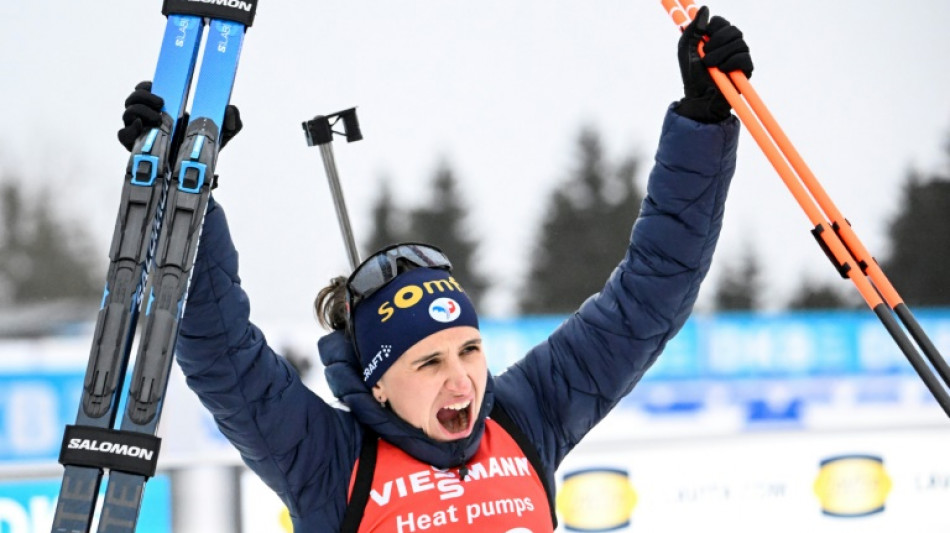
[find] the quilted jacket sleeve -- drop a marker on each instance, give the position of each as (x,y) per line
(567,384)
(299,445)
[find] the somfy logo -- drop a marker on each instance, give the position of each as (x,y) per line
(410,295)
(236,4)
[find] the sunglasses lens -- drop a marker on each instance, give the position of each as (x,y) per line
(372,274)
(381,268)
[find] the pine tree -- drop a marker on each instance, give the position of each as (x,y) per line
(441,222)
(584,232)
(388,222)
(740,284)
(920,242)
(43,258)
(811,294)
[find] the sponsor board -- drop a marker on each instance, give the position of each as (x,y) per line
(600,499)
(872,482)
(852,485)
(777,482)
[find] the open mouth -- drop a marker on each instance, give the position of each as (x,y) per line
(455,418)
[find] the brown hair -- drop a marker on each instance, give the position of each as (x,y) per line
(330,304)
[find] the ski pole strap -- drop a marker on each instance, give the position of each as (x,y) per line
(241,11)
(126,451)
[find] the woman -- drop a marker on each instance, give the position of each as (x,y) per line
(455,447)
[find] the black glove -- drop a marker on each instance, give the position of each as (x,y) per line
(232,124)
(143,111)
(725,50)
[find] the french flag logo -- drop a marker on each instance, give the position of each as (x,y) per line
(444,310)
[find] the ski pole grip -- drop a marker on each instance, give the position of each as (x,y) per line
(681,12)
(351,124)
(320,131)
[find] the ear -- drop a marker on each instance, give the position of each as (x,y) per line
(379,393)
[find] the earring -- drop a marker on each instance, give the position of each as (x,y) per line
(382,402)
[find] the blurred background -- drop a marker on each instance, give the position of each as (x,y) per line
(518,137)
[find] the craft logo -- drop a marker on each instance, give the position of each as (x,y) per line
(384,352)
(852,485)
(444,310)
(596,500)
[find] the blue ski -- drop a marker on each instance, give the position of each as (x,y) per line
(186,203)
(164,197)
(133,243)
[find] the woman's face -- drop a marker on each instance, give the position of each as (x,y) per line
(438,384)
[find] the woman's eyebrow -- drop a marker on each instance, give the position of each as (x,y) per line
(426,358)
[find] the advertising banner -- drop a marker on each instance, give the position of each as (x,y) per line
(868,482)
(27,506)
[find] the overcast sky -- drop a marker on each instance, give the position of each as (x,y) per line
(500,90)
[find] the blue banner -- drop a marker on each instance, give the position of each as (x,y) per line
(772,366)
(34,409)
(750,345)
(28,506)
(761,368)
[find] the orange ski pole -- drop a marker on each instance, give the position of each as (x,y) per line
(841,244)
(842,227)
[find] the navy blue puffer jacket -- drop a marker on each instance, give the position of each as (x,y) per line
(305,449)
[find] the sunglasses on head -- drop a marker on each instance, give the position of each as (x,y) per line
(383,266)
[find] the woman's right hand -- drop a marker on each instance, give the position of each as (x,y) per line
(143,111)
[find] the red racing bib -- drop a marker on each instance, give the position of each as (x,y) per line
(501,492)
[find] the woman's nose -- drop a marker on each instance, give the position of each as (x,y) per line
(456,379)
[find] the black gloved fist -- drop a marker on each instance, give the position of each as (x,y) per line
(725,50)
(143,111)
(232,124)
